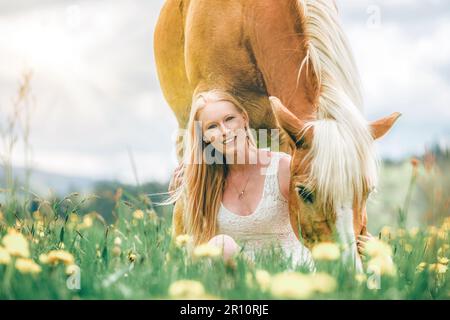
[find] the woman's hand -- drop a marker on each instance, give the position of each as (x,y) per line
(361,243)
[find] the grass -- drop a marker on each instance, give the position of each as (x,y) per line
(135,257)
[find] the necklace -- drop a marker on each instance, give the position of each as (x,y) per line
(241,194)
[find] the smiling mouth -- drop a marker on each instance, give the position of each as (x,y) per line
(228,141)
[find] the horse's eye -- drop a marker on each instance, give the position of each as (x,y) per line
(305,194)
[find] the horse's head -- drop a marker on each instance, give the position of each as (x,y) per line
(333,170)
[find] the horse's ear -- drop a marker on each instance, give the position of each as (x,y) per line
(286,119)
(380,127)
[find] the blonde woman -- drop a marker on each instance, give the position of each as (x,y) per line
(234,194)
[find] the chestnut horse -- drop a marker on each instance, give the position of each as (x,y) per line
(297,51)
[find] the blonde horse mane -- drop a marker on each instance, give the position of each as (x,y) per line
(343,161)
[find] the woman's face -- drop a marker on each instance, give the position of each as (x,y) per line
(223,126)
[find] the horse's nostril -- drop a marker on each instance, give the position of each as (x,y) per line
(305,194)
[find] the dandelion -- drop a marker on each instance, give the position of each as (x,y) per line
(16,244)
(326,251)
(432,230)
(72,269)
(25,265)
(291,285)
(152,215)
(382,264)
(360,278)
(401,232)
(182,240)
(263,279)
(117,241)
(73,217)
(421,267)
(323,282)
(386,232)
(207,250)
(438,268)
(443,260)
(375,247)
(408,248)
(186,289)
(55,257)
(132,256)
(116,251)
(87,222)
(442,234)
(413,231)
(5,258)
(138,214)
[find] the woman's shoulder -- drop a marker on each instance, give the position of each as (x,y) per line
(284,172)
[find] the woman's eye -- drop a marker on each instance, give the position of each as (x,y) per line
(230,118)
(212,126)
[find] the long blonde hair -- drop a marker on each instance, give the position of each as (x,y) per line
(202,184)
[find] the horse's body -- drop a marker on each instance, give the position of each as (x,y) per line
(291,49)
(201,45)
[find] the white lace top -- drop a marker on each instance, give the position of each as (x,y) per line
(268,224)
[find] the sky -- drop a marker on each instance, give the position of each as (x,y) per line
(98,98)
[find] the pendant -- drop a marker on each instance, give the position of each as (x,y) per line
(241,194)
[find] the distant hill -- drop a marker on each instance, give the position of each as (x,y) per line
(44,183)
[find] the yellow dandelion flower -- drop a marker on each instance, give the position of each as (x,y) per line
(132,257)
(386,232)
(442,234)
(16,244)
(413,231)
(408,247)
(263,279)
(87,221)
(5,258)
(186,289)
(326,251)
(116,251)
(291,285)
(432,230)
(421,266)
(438,268)
(401,232)
(117,241)
(182,240)
(382,264)
(446,224)
(138,214)
(72,269)
(375,247)
(443,260)
(55,257)
(27,266)
(37,215)
(360,277)
(207,250)
(73,218)
(152,215)
(323,282)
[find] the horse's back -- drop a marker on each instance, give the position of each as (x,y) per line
(201,45)
(169,55)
